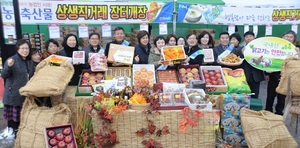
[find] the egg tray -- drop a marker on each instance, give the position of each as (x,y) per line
(59,129)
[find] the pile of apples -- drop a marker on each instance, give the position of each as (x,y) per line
(62,139)
(213,77)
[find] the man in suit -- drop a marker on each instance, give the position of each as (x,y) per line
(253,75)
(224,43)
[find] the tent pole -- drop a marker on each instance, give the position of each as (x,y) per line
(174,17)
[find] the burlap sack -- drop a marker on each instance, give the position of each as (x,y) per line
(48,80)
(264,129)
(290,67)
(35,119)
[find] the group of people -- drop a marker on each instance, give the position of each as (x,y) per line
(19,68)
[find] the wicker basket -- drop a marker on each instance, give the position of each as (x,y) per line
(265,129)
(129,122)
(139,106)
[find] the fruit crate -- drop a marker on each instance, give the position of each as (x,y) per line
(60,136)
(87,79)
(187,73)
(194,106)
(169,76)
(214,79)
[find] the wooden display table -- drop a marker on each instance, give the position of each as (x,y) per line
(129,122)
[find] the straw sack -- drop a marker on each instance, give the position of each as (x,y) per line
(290,67)
(35,119)
(48,80)
(264,129)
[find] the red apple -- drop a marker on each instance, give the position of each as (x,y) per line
(221,84)
(211,73)
(208,84)
(68,139)
(220,80)
(183,79)
(207,80)
(214,82)
(218,75)
(51,133)
(59,136)
(206,75)
(218,71)
(52,141)
(213,78)
(188,69)
(61,144)
(205,71)
(70,145)
(67,131)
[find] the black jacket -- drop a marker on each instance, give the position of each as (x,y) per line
(77,68)
(189,51)
(16,77)
(142,53)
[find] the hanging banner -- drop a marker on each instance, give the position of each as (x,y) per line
(8,20)
(91,12)
(268,53)
(239,15)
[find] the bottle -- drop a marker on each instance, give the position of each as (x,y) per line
(125,94)
(117,94)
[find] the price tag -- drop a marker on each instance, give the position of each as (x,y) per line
(144,26)
(83,30)
(255,30)
(295,28)
(269,29)
(54,31)
(106,30)
(231,29)
(163,28)
(246,28)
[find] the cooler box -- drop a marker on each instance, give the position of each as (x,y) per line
(256,104)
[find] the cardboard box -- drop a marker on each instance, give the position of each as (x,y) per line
(194,106)
(210,85)
(87,79)
(188,73)
(169,76)
(66,131)
(78,57)
(143,71)
(121,54)
(173,53)
(57,63)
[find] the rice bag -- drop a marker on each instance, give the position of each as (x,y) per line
(236,81)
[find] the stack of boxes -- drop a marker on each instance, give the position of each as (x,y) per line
(230,117)
(37,40)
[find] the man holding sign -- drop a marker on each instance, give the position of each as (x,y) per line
(254,76)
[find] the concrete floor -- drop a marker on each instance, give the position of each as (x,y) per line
(262,95)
